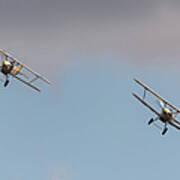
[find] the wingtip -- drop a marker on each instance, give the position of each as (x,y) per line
(2,50)
(135,79)
(48,82)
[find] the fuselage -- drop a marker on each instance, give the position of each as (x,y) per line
(10,68)
(6,67)
(166,115)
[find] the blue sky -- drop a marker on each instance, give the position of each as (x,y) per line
(87,125)
(92,129)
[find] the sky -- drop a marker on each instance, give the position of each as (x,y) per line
(87,125)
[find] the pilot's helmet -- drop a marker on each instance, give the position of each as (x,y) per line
(6,63)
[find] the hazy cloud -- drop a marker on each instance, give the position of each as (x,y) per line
(60,173)
(63,30)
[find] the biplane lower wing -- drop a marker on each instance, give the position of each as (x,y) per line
(147,105)
(28,84)
(177,122)
(174,125)
(155,94)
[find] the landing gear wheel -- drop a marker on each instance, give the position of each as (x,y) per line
(164,131)
(6,83)
(151,120)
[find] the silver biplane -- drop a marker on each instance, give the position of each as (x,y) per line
(15,68)
(167,115)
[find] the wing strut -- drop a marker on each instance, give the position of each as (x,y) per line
(29,84)
(147,105)
(155,94)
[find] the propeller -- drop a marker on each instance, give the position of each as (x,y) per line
(161,104)
(3,57)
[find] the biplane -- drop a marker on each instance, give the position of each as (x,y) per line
(168,113)
(11,66)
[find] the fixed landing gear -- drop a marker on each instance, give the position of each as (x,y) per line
(150,121)
(6,82)
(153,120)
(164,131)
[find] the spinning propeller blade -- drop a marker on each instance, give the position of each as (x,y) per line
(161,104)
(3,57)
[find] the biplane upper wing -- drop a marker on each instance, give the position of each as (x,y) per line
(147,105)
(13,59)
(27,83)
(155,94)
